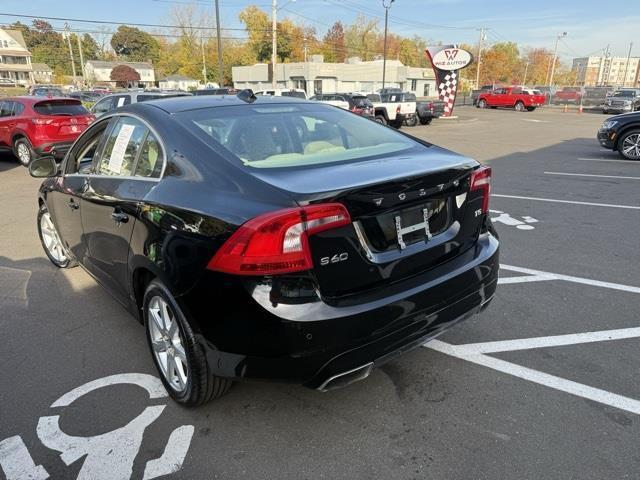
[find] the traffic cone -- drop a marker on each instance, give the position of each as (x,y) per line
(565,109)
(580,109)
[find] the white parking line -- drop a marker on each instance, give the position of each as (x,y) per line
(568,278)
(573,202)
(477,352)
(627,162)
(591,175)
(543,342)
(541,378)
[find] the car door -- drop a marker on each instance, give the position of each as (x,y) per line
(123,174)
(6,107)
(65,200)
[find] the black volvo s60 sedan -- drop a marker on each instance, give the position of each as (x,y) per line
(270,238)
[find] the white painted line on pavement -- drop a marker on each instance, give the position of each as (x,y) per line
(628,162)
(544,342)
(573,202)
(570,278)
(591,175)
(551,381)
(525,279)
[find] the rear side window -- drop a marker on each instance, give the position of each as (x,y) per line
(121,148)
(6,108)
(18,108)
(409,97)
(60,107)
(150,160)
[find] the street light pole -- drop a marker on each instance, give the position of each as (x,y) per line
(73,63)
(526,70)
(274,53)
(555,56)
(220,64)
(387,5)
(479,57)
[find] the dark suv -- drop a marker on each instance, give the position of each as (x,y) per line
(354,102)
(622,133)
(621,101)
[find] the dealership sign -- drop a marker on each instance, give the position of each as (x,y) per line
(452,59)
(447,61)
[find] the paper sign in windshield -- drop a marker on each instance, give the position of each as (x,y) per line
(120,101)
(120,147)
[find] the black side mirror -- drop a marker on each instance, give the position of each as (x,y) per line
(43,167)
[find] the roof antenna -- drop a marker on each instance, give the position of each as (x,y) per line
(247,95)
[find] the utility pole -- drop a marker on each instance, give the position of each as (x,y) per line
(274,53)
(626,68)
(84,77)
(73,63)
(387,5)
(526,70)
(480,40)
(555,56)
(204,60)
(220,65)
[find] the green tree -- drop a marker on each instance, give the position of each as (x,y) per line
(361,38)
(135,45)
(46,45)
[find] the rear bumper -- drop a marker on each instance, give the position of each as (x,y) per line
(323,345)
(56,149)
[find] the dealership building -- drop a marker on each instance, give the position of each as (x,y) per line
(354,75)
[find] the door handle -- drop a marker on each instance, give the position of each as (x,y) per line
(73,205)
(120,217)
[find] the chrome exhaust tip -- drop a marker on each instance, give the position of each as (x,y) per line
(346,378)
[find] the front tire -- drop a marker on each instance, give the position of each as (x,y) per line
(629,145)
(23,151)
(51,242)
(179,357)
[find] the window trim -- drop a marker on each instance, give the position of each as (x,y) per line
(109,117)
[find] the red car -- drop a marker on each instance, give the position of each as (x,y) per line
(518,98)
(568,95)
(37,126)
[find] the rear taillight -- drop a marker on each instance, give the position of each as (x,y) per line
(481,180)
(398,109)
(42,121)
(277,242)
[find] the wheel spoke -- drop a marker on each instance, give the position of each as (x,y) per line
(180,353)
(173,329)
(157,320)
(158,347)
(166,318)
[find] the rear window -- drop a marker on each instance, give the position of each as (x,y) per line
(60,107)
(293,94)
(361,101)
(47,92)
(276,136)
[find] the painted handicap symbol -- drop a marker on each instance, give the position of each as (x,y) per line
(510,221)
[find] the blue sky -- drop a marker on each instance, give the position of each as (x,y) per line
(590,24)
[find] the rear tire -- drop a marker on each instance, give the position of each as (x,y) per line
(629,145)
(51,243)
(178,356)
(482,103)
(381,119)
(23,151)
(425,121)
(397,124)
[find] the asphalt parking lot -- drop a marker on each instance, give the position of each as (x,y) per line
(543,384)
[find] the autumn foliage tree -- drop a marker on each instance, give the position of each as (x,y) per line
(124,76)
(333,47)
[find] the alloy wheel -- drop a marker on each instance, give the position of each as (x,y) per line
(631,146)
(167,343)
(24,154)
(51,239)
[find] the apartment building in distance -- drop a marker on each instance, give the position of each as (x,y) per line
(610,71)
(15,58)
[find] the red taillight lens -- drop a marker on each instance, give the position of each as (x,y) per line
(481,180)
(398,109)
(276,243)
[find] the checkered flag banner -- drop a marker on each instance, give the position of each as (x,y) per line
(447,61)
(447,91)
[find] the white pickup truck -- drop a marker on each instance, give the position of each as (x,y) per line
(393,108)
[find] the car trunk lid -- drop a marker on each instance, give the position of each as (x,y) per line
(409,214)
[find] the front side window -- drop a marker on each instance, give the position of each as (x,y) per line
(103,106)
(6,108)
(274,136)
(122,147)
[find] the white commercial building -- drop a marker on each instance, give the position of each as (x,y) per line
(98,71)
(15,58)
(354,75)
(178,82)
(613,71)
